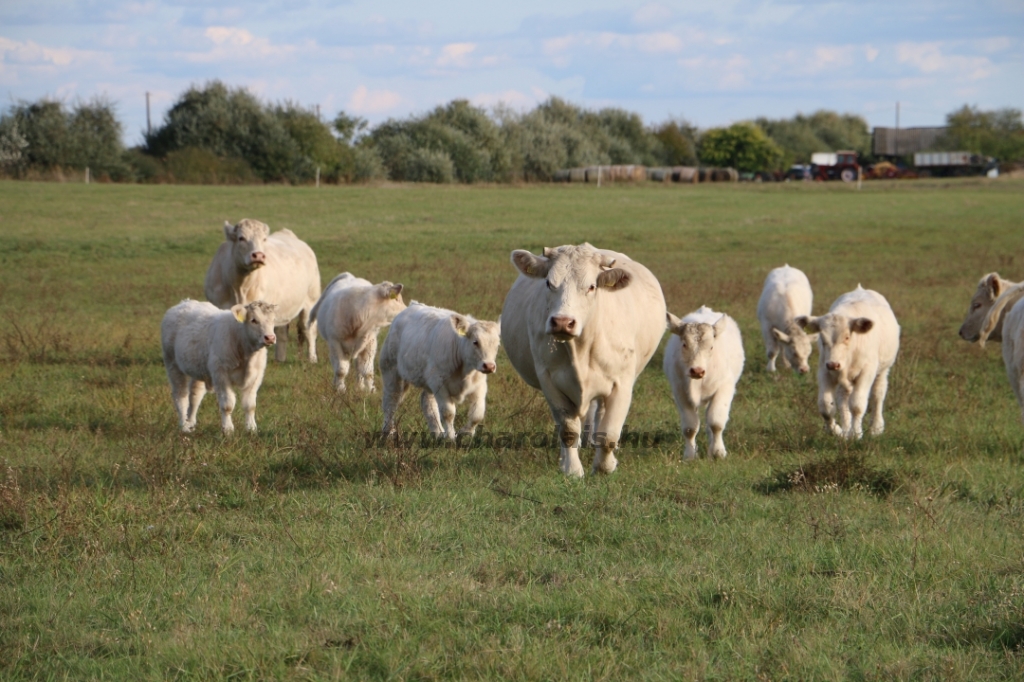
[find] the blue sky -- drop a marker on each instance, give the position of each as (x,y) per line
(712,62)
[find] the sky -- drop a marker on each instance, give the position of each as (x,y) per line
(712,62)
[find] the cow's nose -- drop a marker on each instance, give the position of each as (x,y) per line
(962,335)
(697,372)
(561,324)
(804,370)
(832,365)
(269,339)
(488,368)
(259,257)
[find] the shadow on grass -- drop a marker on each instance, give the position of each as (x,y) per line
(1005,636)
(845,471)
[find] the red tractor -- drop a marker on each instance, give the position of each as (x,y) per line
(841,165)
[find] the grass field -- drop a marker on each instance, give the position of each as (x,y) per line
(128,551)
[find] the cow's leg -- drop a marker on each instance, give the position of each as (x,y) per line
(226,401)
(878,390)
(717,417)
(477,402)
(340,363)
(689,422)
(394,390)
(842,400)
(197,390)
(827,403)
(569,431)
(608,430)
(179,382)
(771,346)
(595,417)
(249,405)
(429,404)
(364,364)
(306,333)
(281,347)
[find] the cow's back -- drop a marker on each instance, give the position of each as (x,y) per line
(884,334)
(786,294)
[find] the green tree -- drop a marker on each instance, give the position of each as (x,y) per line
(743,146)
(998,133)
(678,141)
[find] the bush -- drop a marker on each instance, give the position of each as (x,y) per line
(427,165)
(998,133)
(822,131)
(743,146)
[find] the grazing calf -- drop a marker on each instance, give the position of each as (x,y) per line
(206,347)
(254,265)
(858,342)
(580,324)
(786,296)
(990,288)
(448,356)
(703,363)
(1008,311)
(348,315)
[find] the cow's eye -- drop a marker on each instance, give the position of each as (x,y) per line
(592,288)
(976,305)
(476,343)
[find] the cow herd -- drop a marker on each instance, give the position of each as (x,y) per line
(579,324)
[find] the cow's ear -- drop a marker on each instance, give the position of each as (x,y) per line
(995,285)
(675,325)
(229,231)
(395,291)
(614,279)
(607,261)
(808,323)
(238,310)
(529,264)
(460,325)
(719,327)
(781,335)
(861,325)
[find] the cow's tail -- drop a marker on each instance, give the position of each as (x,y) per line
(1007,298)
(316,306)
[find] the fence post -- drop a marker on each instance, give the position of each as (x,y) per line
(598,176)
(318,168)
(87,175)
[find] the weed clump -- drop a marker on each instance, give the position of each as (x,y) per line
(843,472)
(12,503)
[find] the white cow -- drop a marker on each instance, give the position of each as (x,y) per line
(786,296)
(703,363)
(858,342)
(580,324)
(446,354)
(204,347)
(990,288)
(348,315)
(1012,321)
(254,265)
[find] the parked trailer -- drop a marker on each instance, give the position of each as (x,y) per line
(945,164)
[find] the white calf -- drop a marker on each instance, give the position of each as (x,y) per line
(349,314)
(786,296)
(448,356)
(703,363)
(204,346)
(858,342)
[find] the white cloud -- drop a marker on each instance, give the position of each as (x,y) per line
(456,54)
(871,53)
(928,58)
(366,101)
(652,13)
(235,44)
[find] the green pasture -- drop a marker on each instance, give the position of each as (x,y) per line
(128,551)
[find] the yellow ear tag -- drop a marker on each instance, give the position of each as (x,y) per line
(392,294)
(240,315)
(460,331)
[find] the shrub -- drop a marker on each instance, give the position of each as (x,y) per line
(743,146)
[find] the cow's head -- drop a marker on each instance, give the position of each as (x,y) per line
(835,332)
(257,320)
(697,341)
(247,242)
(575,277)
(389,297)
(478,342)
(796,346)
(989,289)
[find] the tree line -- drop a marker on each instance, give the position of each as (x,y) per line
(218,134)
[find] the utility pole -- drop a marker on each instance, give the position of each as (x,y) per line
(149,125)
(896,136)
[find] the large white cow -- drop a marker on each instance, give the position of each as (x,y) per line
(254,265)
(206,347)
(858,342)
(1008,311)
(990,288)
(703,363)
(786,296)
(580,324)
(446,354)
(348,315)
